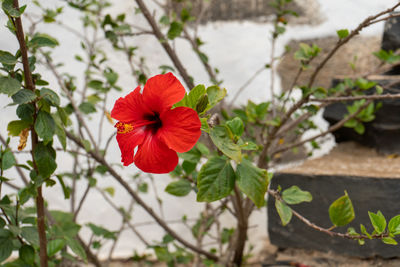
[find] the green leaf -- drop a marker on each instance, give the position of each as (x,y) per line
(61,135)
(55,246)
(76,247)
(25,112)
(248,146)
(111,77)
(236,126)
(45,159)
(175,29)
(110,190)
(9,85)
(190,100)
(378,221)
(192,155)
(42,40)
(394,225)
(9,9)
(294,195)
(202,104)
(2,222)
(226,235)
(203,149)
(252,181)
(364,231)
(27,254)
(87,107)
(342,33)
(45,126)
(66,190)
(50,96)
(96,84)
(284,211)
(204,125)
(101,231)
(15,127)
(6,247)
(23,96)
(215,94)
(7,160)
(188,166)
(389,241)
(179,188)
(220,138)
(30,234)
(341,211)
(7,58)
(163,254)
(216,180)
(195,94)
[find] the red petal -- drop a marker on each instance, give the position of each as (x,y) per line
(130,108)
(180,128)
(154,156)
(127,143)
(162,91)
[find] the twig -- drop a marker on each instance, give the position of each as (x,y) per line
(276,195)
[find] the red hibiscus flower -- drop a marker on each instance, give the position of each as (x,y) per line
(146,121)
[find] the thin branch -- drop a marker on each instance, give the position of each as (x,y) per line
(131,226)
(333,128)
(277,196)
(140,201)
(77,112)
(196,48)
(245,84)
(164,42)
(353,98)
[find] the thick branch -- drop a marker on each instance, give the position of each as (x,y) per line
(34,138)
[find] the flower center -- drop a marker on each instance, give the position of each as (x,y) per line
(123,128)
(155,120)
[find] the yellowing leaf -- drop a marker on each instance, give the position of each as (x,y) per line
(23,137)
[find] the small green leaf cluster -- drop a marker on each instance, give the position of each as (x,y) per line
(367,114)
(176,21)
(18,232)
(282,11)
(387,56)
(381,229)
(171,253)
(343,33)
(114,28)
(306,53)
